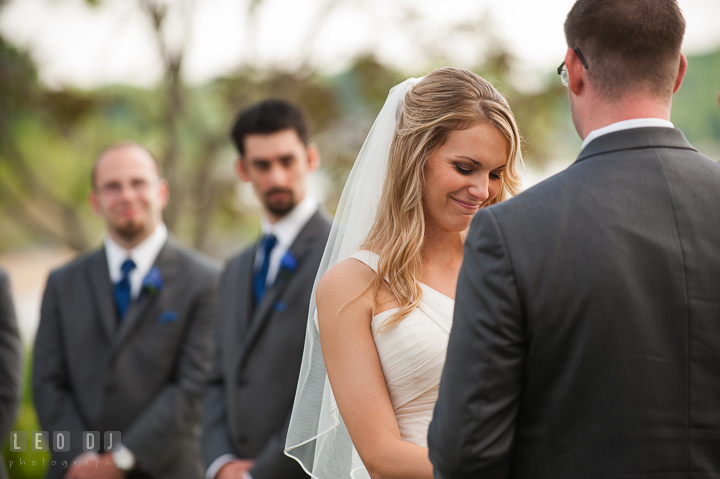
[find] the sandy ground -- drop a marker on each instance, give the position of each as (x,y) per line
(28,272)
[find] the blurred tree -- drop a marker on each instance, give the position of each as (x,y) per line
(172,59)
(48,138)
(26,195)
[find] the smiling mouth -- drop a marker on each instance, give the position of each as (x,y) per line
(467,206)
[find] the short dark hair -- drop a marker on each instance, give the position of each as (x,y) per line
(630,45)
(267,117)
(117,146)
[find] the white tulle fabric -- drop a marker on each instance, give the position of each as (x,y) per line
(412,355)
(317,437)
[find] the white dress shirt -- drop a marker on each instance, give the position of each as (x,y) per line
(143,255)
(285,230)
(626,125)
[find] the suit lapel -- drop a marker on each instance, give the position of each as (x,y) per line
(139,308)
(98,278)
(264,310)
(242,290)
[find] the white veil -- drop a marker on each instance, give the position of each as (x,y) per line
(317,437)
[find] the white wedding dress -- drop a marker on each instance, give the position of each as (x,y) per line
(412,355)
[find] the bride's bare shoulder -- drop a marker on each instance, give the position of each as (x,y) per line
(347,279)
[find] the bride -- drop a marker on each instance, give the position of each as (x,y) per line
(441,148)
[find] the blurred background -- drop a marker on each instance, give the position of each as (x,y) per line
(77,75)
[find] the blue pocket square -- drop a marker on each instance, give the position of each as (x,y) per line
(280,306)
(168,316)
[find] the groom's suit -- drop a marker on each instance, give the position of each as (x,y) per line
(259,351)
(144,377)
(586,337)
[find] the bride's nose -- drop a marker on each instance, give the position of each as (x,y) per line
(479,188)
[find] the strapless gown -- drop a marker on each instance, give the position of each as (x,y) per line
(412,355)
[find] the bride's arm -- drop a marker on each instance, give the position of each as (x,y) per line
(345,309)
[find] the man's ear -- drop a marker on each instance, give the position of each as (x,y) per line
(241,170)
(577,75)
(313,154)
(164,191)
(93,200)
(681,73)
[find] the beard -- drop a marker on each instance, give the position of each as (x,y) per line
(280,207)
(130,229)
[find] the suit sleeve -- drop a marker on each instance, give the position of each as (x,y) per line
(272,462)
(177,406)
(52,391)
(472,430)
(10,359)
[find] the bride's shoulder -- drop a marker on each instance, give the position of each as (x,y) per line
(350,276)
(348,280)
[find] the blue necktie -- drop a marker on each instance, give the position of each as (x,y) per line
(121,289)
(267,243)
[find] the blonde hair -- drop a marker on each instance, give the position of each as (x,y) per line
(446,100)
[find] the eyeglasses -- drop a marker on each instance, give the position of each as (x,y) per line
(140,186)
(562,69)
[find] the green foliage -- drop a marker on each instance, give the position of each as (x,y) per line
(49,138)
(18,77)
(695,108)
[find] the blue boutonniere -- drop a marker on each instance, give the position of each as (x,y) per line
(288,265)
(153,281)
(168,316)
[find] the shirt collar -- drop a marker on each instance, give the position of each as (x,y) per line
(144,254)
(626,125)
(288,227)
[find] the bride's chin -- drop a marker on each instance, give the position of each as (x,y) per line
(460,226)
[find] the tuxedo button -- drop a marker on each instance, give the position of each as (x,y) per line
(242,439)
(110,388)
(242,382)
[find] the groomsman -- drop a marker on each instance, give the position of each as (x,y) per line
(264,299)
(125,336)
(10,363)
(586,335)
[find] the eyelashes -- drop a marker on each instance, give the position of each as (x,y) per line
(462,170)
(468,171)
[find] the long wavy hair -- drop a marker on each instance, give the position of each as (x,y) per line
(445,100)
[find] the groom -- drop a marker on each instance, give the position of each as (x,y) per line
(586,335)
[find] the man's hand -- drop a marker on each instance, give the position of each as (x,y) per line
(92,465)
(235,469)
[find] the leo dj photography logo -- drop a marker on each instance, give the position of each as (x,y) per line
(39,441)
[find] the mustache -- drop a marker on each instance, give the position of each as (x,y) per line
(278,190)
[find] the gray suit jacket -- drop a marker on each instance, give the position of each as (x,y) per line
(586,337)
(144,377)
(249,401)
(10,363)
